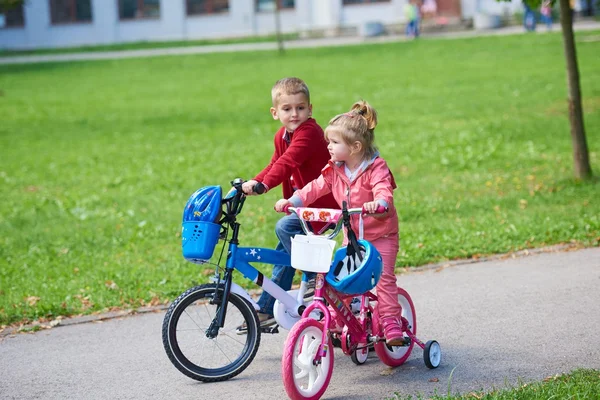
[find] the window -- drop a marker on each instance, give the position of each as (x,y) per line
(67,11)
(11,17)
(139,9)
(197,7)
(348,2)
(269,5)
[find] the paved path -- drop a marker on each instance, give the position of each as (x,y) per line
(341,41)
(497,321)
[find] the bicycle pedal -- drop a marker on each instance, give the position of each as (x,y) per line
(270,329)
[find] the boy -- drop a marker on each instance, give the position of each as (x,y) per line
(300,154)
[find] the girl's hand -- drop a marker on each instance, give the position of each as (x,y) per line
(370,207)
(248,187)
(282,204)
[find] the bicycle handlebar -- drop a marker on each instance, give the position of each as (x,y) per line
(328,215)
(358,210)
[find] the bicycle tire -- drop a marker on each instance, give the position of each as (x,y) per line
(187,346)
(300,347)
(395,356)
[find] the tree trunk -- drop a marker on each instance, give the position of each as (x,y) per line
(278,28)
(580,150)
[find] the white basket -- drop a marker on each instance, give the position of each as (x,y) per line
(312,253)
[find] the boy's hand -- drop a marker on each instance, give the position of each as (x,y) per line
(282,204)
(248,187)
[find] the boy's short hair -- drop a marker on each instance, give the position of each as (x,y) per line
(289,86)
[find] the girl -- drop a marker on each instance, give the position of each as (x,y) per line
(356,174)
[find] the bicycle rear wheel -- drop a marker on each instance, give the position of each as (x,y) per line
(301,378)
(395,356)
(198,356)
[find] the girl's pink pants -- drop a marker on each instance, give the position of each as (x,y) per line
(387,292)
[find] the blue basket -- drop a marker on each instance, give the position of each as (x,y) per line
(198,240)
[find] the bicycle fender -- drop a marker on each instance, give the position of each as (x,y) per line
(237,289)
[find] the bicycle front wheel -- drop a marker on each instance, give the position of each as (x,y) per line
(303,379)
(198,356)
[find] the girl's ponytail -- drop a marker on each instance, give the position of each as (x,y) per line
(363,108)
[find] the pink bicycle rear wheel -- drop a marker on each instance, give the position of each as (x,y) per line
(395,356)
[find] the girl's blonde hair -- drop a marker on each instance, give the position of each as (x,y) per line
(357,125)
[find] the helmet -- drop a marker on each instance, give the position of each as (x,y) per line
(350,275)
(203,205)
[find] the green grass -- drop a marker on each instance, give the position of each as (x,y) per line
(99,158)
(145,45)
(581,384)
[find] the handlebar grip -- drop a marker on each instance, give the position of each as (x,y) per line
(259,188)
(380,210)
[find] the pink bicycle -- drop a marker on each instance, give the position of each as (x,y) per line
(344,313)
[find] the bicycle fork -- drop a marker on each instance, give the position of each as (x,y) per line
(221,299)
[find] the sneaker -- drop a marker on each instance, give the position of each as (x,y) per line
(392,331)
(310,289)
(265,320)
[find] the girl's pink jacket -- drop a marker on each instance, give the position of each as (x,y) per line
(374,182)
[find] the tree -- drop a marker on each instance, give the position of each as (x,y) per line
(278,34)
(581,159)
(6,5)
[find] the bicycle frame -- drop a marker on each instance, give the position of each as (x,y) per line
(239,258)
(357,330)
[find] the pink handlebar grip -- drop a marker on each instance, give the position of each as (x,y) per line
(380,210)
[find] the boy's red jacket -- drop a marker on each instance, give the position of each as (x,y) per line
(302,161)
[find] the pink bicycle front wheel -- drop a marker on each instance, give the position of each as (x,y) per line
(302,379)
(395,356)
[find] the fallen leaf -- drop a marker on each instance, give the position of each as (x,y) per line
(111,285)
(32,300)
(441,268)
(154,302)
(434,380)
(523,204)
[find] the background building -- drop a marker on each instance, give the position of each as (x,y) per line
(64,23)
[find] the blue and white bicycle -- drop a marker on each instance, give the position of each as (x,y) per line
(200,329)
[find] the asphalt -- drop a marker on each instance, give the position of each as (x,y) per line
(582,25)
(499,322)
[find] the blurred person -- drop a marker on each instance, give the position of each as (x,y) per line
(429,9)
(546,13)
(411,12)
(529,21)
(300,154)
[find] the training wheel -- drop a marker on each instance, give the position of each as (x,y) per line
(432,354)
(359,356)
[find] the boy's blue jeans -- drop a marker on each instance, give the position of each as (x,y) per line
(285,229)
